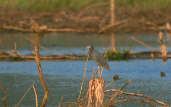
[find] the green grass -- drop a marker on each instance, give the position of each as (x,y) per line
(54,5)
(46,5)
(159,4)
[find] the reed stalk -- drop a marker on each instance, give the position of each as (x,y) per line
(36,97)
(84,75)
(4,104)
(26,92)
(36,28)
(37,59)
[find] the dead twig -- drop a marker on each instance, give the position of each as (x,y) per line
(19,29)
(14,28)
(116,94)
(124,100)
(139,95)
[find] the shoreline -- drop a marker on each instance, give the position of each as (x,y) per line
(90,19)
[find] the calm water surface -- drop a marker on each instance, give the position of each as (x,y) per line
(64,77)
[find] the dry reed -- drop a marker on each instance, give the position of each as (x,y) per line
(36,97)
(26,92)
(37,59)
(108,102)
(84,75)
(6,95)
(36,28)
(138,95)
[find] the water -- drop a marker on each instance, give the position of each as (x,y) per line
(64,77)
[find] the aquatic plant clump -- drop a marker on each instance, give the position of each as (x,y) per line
(117,55)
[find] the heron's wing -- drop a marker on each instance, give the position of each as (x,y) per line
(100,60)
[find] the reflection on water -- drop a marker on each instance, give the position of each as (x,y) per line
(64,77)
(62,41)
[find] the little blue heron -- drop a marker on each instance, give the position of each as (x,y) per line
(98,58)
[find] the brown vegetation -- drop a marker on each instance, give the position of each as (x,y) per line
(94,18)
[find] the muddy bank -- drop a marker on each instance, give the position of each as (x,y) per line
(95,18)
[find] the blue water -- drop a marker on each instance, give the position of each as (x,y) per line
(64,77)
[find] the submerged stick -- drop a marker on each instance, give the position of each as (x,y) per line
(6,95)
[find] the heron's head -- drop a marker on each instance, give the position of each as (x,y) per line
(90,47)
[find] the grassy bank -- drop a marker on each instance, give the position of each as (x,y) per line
(55,5)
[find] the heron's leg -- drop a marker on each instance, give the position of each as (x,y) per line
(98,70)
(101,71)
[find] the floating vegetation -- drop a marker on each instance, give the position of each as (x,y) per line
(118,54)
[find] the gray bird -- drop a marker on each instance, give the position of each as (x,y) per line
(98,58)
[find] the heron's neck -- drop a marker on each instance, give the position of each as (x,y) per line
(90,52)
